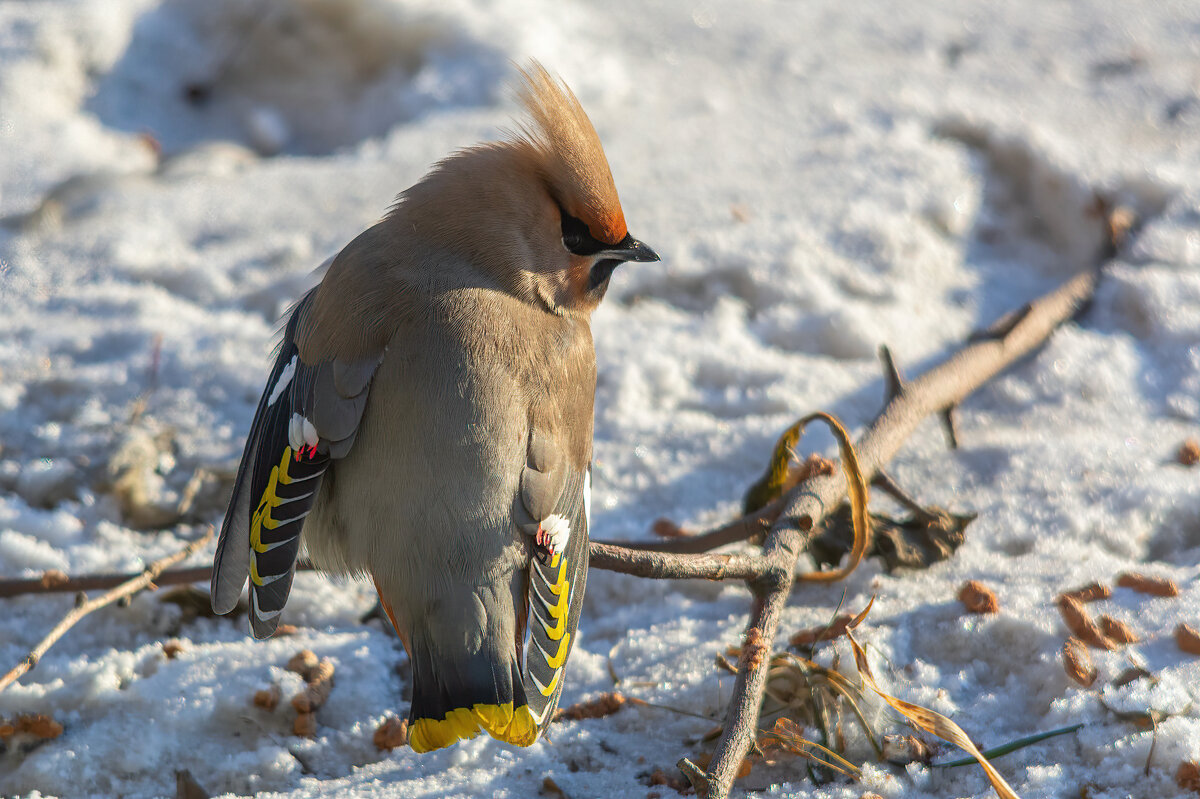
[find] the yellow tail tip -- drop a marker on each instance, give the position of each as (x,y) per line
(515,726)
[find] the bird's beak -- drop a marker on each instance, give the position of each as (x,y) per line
(629,249)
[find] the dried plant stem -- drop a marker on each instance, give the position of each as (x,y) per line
(128,588)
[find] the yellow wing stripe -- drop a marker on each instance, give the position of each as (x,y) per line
(560,579)
(560,657)
(503,722)
(549,689)
(262,516)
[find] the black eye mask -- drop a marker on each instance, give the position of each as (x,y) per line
(578,240)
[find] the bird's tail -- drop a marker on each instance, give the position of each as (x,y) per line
(456,696)
(457,692)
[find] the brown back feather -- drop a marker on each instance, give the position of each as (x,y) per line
(571,154)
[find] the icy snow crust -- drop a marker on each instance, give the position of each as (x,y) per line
(819,178)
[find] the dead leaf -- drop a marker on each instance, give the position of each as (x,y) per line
(52,578)
(172,648)
(320,685)
(303,663)
(37,725)
(904,749)
(1188,639)
(1081,625)
(604,705)
(665,528)
(305,725)
(1118,631)
(1155,586)
(391,734)
(660,777)
(914,542)
(1189,452)
(1089,593)
(195,603)
(551,790)
(268,698)
(1078,663)
(1187,776)
(824,632)
(978,598)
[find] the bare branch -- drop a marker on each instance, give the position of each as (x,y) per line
(126,589)
(741,529)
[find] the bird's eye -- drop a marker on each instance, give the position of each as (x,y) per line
(576,238)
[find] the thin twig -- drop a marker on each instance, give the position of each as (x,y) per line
(58,583)
(128,588)
(741,529)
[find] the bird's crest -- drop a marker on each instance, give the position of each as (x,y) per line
(570,153)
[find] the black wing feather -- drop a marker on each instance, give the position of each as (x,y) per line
(279,478)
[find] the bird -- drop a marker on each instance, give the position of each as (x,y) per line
(428,421)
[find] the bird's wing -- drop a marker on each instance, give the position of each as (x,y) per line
(308,415)
(553,506)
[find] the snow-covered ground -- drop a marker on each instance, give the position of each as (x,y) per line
(819,177)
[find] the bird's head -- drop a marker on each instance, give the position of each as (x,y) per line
(537,213)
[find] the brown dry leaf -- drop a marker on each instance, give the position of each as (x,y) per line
(913,542)
(303,662)
(1187,776)
(391,734)
(676,781)
(904,749)
(38,725)
(320,684)
(1189,452)
(268,698)
(551,790)
(789,736)
(1188,639)
(283,630)
(1081,625)
(928,720)
(598,708)
(1118,631)
(172,648)
(1089,593)
(824,632)
(978,598)
(1145,584)
(665,528)
(52,578)
(1078,663)
(305,725)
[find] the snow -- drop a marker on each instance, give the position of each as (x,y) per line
(819,178)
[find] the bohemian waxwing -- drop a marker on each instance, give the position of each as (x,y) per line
(428,423)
